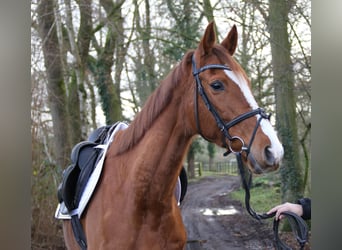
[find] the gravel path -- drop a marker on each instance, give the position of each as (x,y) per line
(215,222)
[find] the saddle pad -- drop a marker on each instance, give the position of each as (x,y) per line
(62,211)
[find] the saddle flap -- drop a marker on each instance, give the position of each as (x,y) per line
(66,191)
(75,177)
(87,160)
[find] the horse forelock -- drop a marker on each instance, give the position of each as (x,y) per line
(154,106)
(228,60)
(237,74)
(220,55)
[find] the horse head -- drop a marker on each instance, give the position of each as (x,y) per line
(226,111)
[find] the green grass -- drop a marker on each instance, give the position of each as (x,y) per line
(265,194)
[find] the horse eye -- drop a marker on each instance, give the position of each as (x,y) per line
(217,85)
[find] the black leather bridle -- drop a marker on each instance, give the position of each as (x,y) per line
(224,127)
(298,225)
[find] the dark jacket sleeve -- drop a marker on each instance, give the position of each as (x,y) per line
(306,204)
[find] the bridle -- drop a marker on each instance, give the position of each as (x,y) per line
(224,127)
(298,225)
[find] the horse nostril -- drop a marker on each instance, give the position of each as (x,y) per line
(269,156)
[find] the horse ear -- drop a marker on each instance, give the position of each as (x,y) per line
(208,39)
(230,42)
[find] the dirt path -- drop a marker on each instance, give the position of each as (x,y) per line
(215,222)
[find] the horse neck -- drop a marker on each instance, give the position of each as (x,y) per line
(152,148)
(161,152)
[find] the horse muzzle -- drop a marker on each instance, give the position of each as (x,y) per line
(268,162)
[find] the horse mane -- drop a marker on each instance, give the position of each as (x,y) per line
(160,98)
(154,106)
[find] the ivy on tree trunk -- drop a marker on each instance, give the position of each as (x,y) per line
(283,77)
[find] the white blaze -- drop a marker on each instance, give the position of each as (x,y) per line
(276,147)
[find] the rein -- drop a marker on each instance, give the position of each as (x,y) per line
(298,225)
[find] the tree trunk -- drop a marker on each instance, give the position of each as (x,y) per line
(191,162)
(108,90)
(75,100)
(109,97)
(283,77)
(211,154)
(55,84)
(146,81)
(208,12)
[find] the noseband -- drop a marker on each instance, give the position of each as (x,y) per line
(224,127)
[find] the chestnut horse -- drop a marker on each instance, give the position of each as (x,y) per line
(207,93)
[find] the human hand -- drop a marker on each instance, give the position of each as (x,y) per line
(286,207)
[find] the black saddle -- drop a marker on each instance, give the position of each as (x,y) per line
(84,157)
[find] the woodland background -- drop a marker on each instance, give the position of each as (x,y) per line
(94,62)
